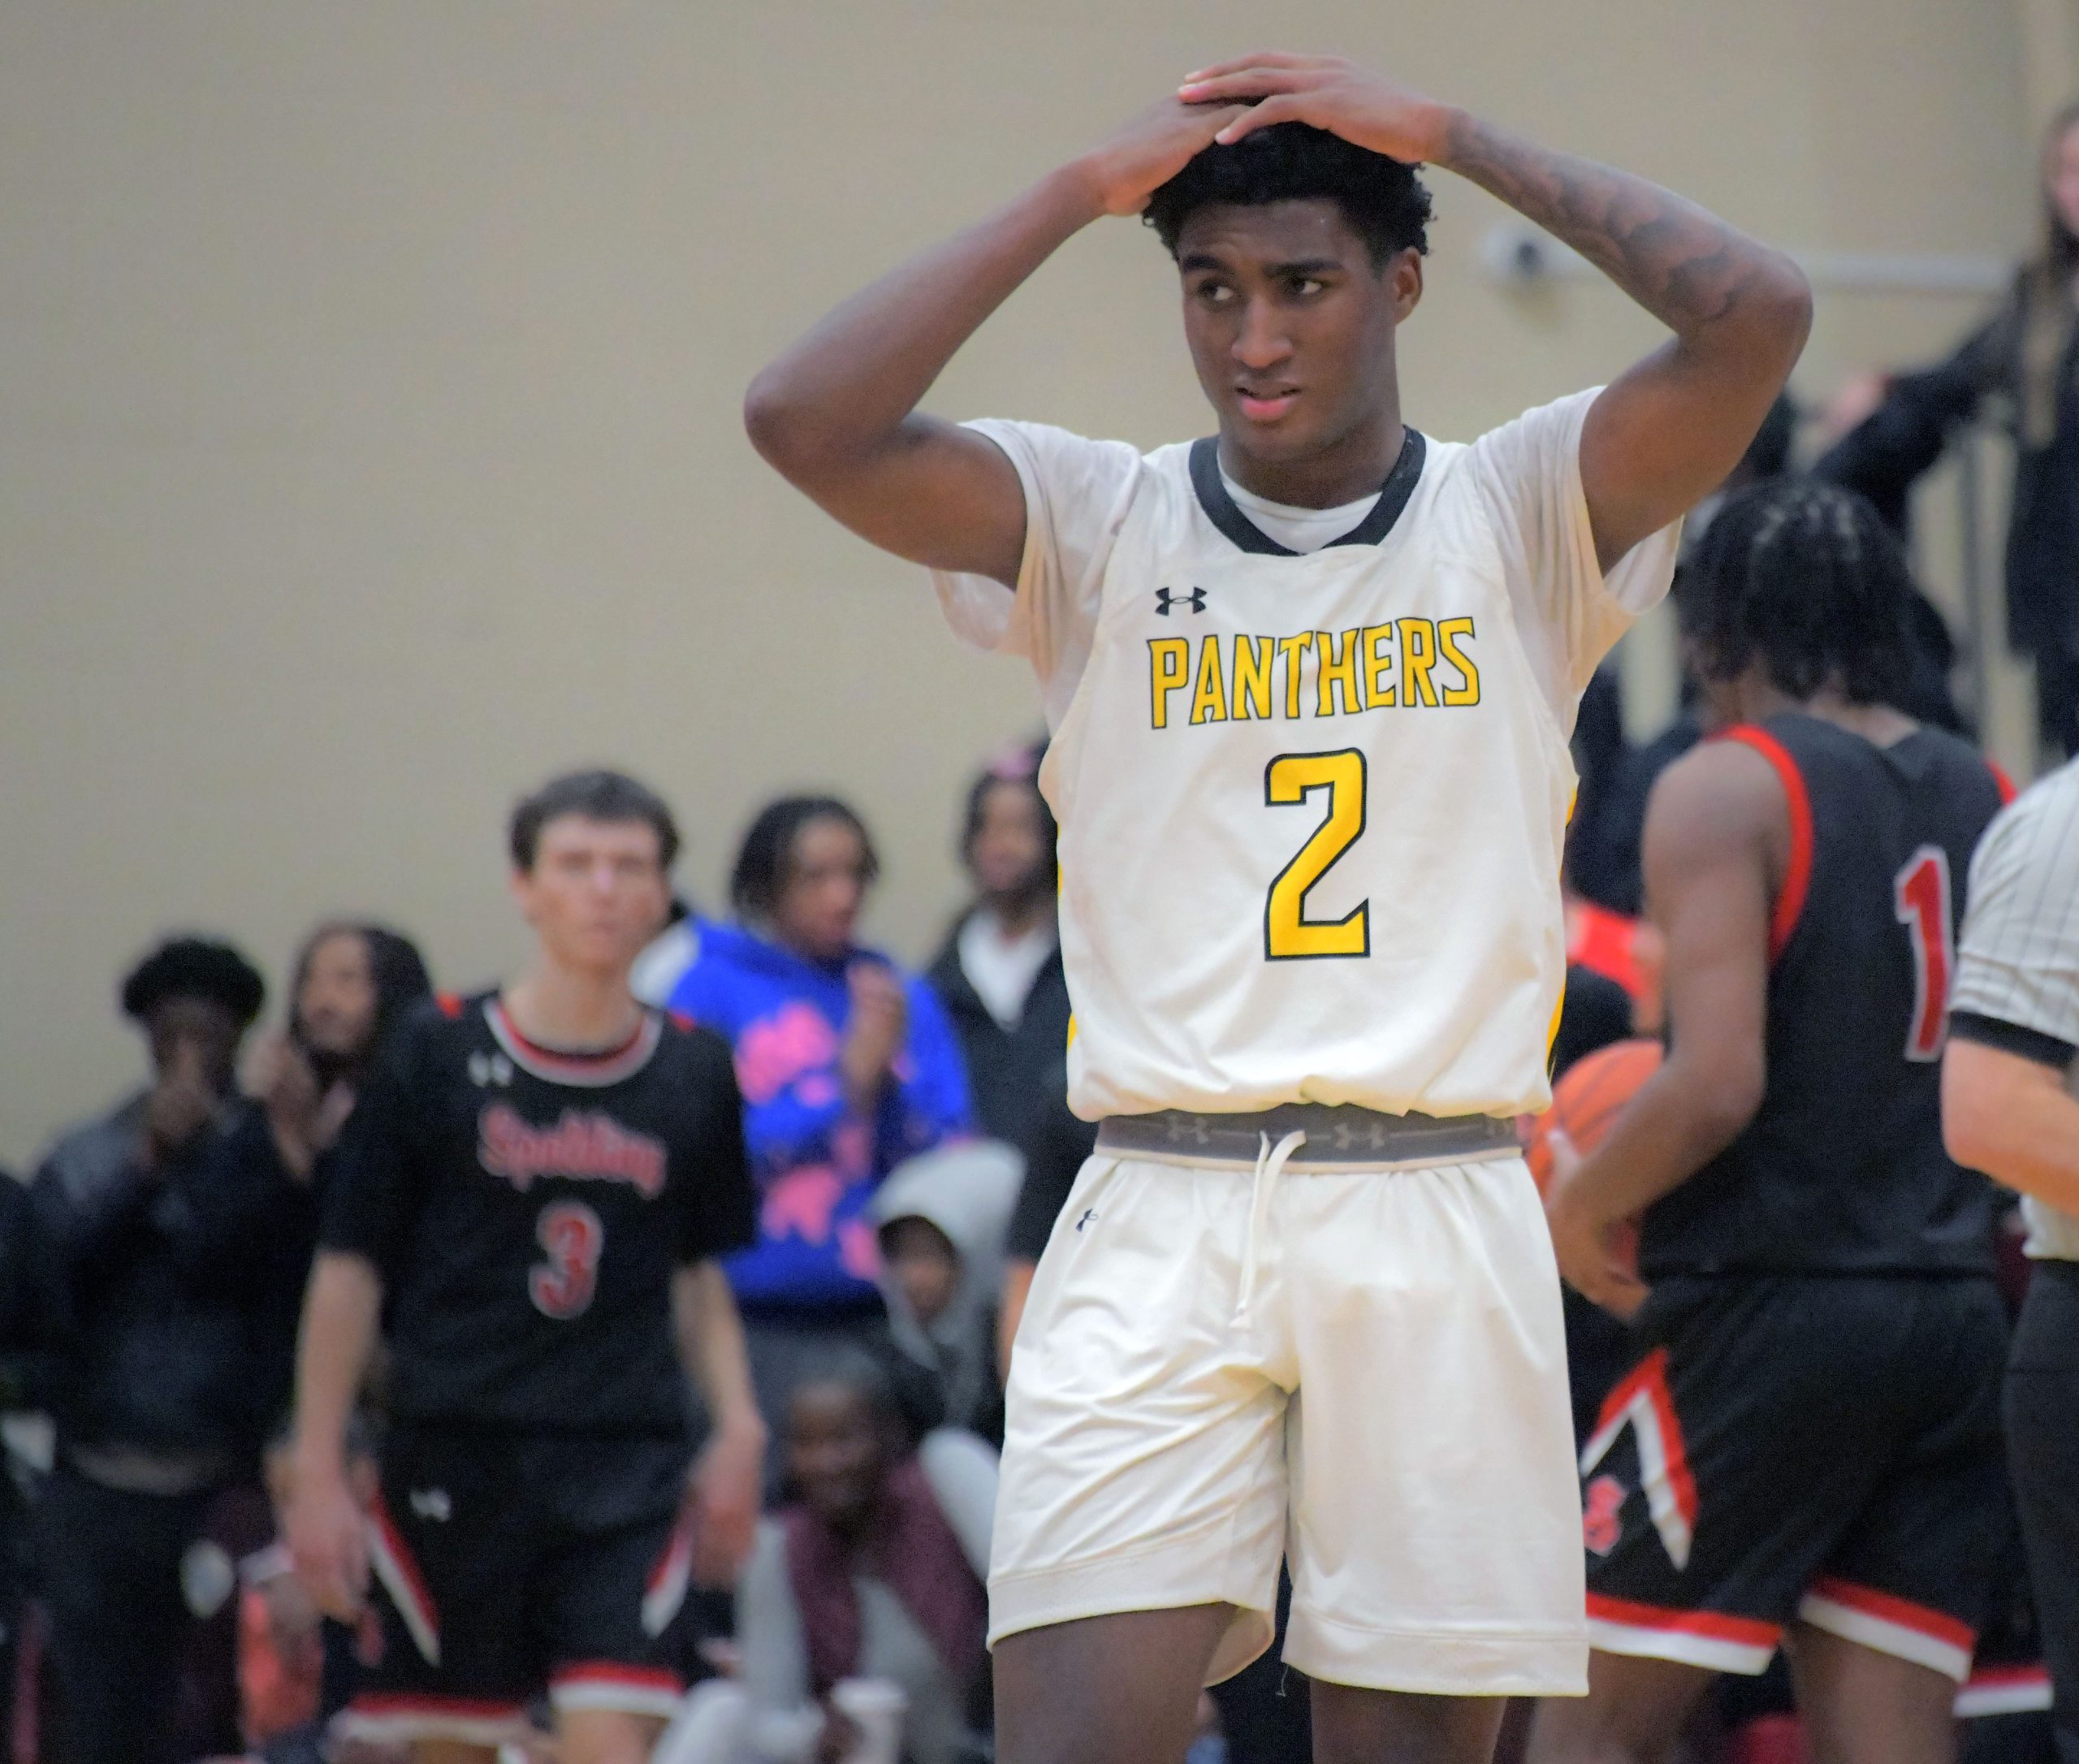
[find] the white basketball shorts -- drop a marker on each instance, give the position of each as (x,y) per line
(1362,1370)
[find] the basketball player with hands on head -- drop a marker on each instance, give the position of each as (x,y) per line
(1806,1452)
(531,1199)
(1309,684)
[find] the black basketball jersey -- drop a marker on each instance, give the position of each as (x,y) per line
(526,1209)
(1843,1170)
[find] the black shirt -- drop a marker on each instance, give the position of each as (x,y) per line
(1843,1170)
(527,1208)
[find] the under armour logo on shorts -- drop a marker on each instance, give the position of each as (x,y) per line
(1164,600)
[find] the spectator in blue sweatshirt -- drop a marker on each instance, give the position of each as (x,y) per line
(848,1066)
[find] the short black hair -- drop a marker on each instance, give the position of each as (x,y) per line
(195,967)
(762,860)
(598,795)
(1805,576)
(1384,202)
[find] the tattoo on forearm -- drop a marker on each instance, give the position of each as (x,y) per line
(1682,264)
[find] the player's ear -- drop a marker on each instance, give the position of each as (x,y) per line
(1403,280)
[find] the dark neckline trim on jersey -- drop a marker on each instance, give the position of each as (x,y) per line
(591,1071)
(1224,512)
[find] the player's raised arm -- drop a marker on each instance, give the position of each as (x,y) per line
(1666,432)
(836,413)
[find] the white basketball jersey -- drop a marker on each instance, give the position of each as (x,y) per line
(1312,805)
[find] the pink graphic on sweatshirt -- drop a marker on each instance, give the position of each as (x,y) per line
(800,1204)
(776,1051)
(859,1248)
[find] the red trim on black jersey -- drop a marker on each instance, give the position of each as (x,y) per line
(450,1003)
(1642,1400)
(1937,1625)
(2008,793)
(1797,875)
(376,1705)
(560,1066)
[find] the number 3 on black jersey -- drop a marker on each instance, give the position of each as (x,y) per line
(1289,935)
(571,1234)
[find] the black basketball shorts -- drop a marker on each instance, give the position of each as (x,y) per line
(1799,1449)
(507,1564)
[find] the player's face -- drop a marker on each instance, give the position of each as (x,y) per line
(1008,854)
(335,1004)
(818,906)
(597,893)
(1292,327)
(835,1452)
(2063,177)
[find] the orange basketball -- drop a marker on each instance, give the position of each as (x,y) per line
(1588,1099)
(1585,1103)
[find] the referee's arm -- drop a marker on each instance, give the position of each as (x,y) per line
(2007,1108)
(2009,1115)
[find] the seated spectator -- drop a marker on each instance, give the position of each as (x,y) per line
(847,1066)
(153,1408)
(863,1601)
(999,974)
(942,1218)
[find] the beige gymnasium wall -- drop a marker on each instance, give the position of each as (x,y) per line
(368,378)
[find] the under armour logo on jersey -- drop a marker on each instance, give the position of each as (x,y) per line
(1164,600)
(1089,1214)
(489,1069)
(434,1504)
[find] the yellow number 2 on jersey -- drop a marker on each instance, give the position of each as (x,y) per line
(1289,935)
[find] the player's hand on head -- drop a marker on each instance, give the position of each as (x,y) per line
(1146,153)
(1366,109)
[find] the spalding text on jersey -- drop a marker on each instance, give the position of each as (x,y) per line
(1408,664)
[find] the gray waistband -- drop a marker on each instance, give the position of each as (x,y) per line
(1338,1136)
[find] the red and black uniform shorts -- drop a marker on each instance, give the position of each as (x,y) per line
(1799,1449)
(506,1565)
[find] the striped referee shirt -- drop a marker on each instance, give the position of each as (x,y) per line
(2017,978)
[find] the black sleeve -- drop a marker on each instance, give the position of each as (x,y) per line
(1054,1151)
(719,1211)
(373,1196)
(1905,434)
(2013,1038)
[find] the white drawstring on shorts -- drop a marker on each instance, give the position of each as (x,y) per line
(1270,1165)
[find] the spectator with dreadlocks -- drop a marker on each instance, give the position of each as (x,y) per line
(353,984)
(1817,1334)
(153,1389)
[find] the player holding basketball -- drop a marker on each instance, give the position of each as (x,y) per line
(1807,1452)
(1310,684)
(532,1197)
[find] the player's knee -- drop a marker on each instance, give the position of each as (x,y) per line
(1592,1729)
